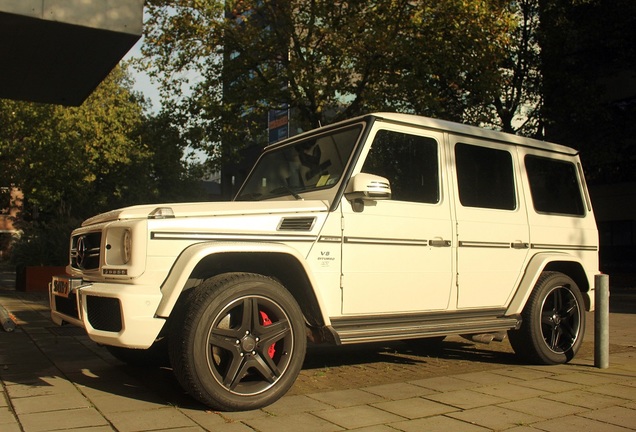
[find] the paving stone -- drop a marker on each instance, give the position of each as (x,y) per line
(487,378)
(494,417)
(437,424)
(551,385)
(465,399)
(445,383)
(619,416)
(147,420)
(524,373)
(244,415)
(293,423)
(589,379)
(585,399)
(294,405)
(41,386)
(61,420)
(137,400)
(55,402)
(207,419)
(13,427)
(414,408)
(376,428)
(577,424)
(358,416)
(398,391)
(181,429)
(510,391)
(6,416)
(346,398)
(617,390)
(542,408)
(522,429)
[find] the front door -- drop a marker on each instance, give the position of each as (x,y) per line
(396,254)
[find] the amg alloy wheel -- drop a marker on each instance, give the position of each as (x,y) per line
(239,343)
(553,321)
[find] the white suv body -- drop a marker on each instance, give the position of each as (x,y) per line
(383,227)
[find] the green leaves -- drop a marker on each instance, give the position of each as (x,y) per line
(326,60)
(72,163)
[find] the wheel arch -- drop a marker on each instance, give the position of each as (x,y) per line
(278,261)
(562,263)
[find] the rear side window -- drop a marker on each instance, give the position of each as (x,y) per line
(554,186)
(409,162)
(485,177)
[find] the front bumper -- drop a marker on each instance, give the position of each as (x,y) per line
(112,314)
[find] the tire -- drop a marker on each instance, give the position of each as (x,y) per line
(553,321)
(155,356)
(237,342)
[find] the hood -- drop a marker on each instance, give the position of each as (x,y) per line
(184,210)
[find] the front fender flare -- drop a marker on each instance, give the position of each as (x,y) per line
(186,262)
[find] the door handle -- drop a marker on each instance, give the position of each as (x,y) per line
(440,243)
(520,245)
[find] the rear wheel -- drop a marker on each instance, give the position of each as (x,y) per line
(553,321)
(238,342)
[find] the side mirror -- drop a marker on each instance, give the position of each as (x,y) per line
(368,186)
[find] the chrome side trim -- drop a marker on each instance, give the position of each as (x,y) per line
(480,244)
(157,235)
(564,247)
(386,241)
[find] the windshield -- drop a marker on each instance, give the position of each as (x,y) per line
(311,164)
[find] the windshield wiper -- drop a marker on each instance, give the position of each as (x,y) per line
(287,189)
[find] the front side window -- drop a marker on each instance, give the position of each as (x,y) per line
(485,177)
(311,164)
(409,162)
(554,186)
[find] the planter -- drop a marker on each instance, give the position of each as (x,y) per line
(36,278)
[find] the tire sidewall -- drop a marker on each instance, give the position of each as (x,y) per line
(205,308)
(533,316)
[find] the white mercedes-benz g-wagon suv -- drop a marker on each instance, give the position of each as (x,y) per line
(383,227)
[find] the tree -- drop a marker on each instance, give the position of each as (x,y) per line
(325,60)
(588,57)
(516,106)
(72,163)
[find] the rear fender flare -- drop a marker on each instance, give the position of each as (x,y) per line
(535,267)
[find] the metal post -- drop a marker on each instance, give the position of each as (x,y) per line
(601,321)
(5,320)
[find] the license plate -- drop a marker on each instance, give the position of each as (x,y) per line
(63,285)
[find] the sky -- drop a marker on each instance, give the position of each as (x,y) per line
(143,84)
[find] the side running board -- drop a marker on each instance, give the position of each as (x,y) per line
(396,327)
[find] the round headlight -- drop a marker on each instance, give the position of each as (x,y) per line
(127,247)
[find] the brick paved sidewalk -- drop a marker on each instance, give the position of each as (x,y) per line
(57,379)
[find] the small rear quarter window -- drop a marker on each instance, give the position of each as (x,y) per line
(554,186)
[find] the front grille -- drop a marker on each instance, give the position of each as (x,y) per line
(67,306)
(85,249)
(104,313)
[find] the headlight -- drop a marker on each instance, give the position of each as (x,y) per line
(119,246)
(127,247)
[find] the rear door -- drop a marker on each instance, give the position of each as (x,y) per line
(492,225)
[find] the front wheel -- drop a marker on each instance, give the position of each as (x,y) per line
(553,321)
(238,342)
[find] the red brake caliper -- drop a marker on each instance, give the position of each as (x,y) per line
(265,321)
